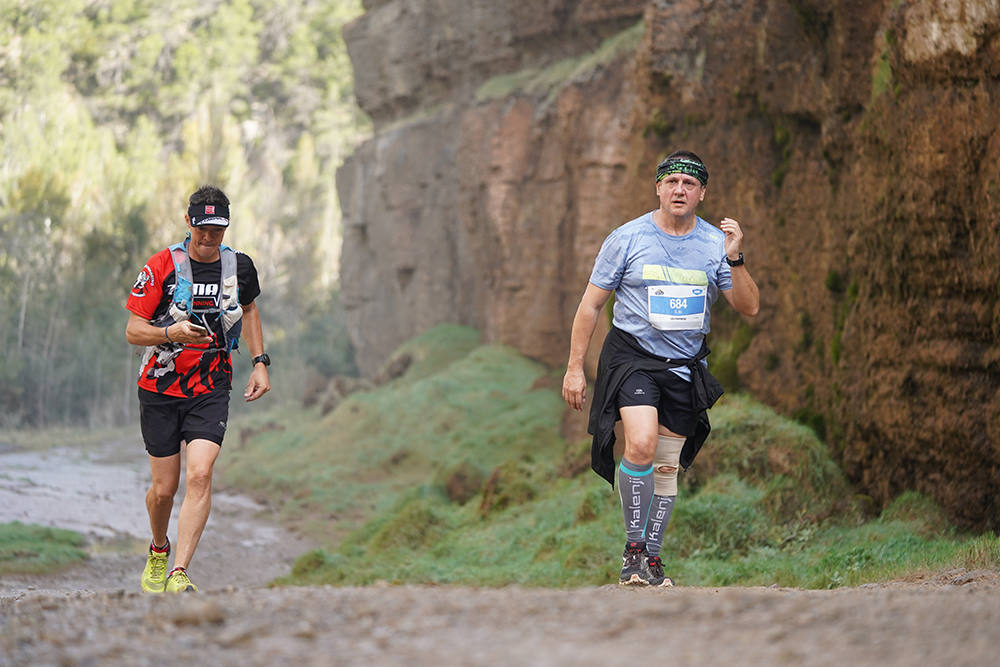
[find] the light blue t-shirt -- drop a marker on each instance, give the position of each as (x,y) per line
(671,280)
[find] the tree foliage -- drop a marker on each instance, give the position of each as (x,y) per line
(113,111)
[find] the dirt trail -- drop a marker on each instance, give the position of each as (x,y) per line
(101,493)
(933,624)
(93,616)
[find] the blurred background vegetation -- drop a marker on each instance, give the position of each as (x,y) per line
(112,113)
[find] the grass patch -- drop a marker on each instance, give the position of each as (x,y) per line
(32,549)
(882,74)
(980,553)
(455,472)
(537,544)
(459,406)
(42,439)
(846,304)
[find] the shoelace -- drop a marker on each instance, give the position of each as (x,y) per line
(158,567)
(633,558)
(633,550)
(656,566)
(181,577)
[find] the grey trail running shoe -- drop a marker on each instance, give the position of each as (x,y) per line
(634,569)
(656,576)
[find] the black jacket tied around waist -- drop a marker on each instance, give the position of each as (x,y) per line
(622,355)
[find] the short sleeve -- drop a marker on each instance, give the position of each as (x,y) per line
(147,291)
(246,275)
(610,263)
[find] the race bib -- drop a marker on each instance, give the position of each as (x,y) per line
(677,307)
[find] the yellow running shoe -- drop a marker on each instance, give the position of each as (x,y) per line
(154,575)
(178,582)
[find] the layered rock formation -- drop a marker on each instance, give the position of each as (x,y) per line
(856,141)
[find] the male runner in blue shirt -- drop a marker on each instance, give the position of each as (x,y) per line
(666,268)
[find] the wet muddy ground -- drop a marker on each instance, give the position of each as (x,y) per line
(100,493)
(93,615)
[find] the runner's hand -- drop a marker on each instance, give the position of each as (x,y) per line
(259,383)
(190,334)
(734,237)
(574,389)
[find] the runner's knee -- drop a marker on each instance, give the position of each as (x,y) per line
(198,479)
(163,492)
(640,449)
(665,464)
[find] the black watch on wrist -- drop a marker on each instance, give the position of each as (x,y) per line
(261,359)
(735,262)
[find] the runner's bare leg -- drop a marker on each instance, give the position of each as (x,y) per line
(197,504)
(166,472)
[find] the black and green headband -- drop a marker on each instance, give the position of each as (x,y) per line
(679,165)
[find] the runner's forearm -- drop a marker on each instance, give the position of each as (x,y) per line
(140,332)
(253,333)
(583,329)
(745,297)
(584,324)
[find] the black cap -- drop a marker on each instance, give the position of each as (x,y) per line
(209,214)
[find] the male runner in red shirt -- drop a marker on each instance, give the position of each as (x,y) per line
(187,308)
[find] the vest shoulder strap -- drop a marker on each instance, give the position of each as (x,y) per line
(183,274)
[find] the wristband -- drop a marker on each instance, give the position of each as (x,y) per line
(167,335)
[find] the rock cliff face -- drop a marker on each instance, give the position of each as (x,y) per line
(856,141)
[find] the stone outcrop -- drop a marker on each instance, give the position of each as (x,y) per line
(856,141)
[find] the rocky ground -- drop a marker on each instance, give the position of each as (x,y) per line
(93,615)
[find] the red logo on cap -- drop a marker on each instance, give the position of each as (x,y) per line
(209,210)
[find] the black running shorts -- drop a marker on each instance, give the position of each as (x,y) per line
(166,420)
(669,393)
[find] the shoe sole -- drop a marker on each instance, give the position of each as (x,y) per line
(634,580)
(190,588)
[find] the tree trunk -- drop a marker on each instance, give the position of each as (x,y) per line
(24,311)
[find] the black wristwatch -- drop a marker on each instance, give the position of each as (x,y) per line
(735,262)
(261,359)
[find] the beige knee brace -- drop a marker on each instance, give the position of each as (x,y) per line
(665,464)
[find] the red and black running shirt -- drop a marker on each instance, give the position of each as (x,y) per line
(191,373)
